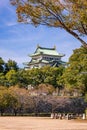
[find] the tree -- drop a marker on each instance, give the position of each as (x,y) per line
(25,101)
(22,78)
(2,79)
(52,75)
(45,88)
(75,75)
(7,100)
(12,77)
(46,75)
(2,63)
(71,15)
(11,65)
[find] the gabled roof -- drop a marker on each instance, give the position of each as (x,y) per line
(46,51)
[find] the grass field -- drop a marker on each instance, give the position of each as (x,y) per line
(40,123)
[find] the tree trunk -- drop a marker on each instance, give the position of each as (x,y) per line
(2,112)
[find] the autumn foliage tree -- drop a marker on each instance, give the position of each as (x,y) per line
(7,100)
(71,15)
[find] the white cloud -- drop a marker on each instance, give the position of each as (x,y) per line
(11,23)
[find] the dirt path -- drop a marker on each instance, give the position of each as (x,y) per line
(38,123)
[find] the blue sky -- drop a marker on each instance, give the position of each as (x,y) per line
(18,40)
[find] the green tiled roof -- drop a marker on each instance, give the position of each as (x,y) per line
(46,51)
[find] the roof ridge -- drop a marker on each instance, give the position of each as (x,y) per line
(46,48)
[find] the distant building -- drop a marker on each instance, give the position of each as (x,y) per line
(45,56)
